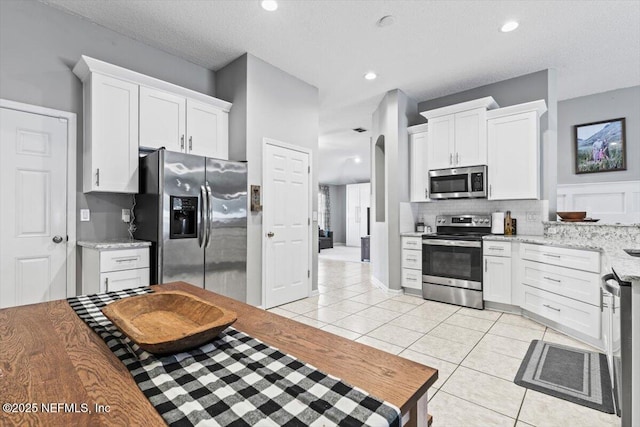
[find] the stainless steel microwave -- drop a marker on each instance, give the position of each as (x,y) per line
(458,183)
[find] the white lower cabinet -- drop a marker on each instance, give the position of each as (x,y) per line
(411,262)
(497,272)
(562,285)
(581,317)
(107,270)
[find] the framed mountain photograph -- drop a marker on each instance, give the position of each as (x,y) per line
(600,146)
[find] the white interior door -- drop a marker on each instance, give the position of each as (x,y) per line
(286,224)
(33,218)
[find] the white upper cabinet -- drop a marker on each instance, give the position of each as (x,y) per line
(207,130)
(110,150)
(124,110)
(513,140)
(418,169)
(457,134)
(162,119)
(441,142)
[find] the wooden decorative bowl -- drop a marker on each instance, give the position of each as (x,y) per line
(168,322)
(572,215)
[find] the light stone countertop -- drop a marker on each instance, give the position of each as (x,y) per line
(114,244)
(627,267)
(413,234)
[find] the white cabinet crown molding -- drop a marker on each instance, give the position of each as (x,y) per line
(87,65)
(539,106)
(487,102)
(423,127)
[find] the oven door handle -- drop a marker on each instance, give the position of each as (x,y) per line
(458,243)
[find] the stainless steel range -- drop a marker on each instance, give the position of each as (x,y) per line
(452,260)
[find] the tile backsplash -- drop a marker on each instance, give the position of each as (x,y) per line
(529,213)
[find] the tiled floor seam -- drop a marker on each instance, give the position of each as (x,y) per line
(521,404)
(482,406)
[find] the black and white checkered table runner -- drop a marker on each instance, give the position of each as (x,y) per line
(235,380)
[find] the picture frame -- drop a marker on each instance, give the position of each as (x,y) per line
(600,146)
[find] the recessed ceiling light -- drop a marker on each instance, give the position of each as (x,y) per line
(509,26)
(357,159)
(370,75)
(269,5)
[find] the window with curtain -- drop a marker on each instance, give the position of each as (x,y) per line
(324,208)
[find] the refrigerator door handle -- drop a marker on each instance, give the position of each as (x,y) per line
(203,212)
(209,214)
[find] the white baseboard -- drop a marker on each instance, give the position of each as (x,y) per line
(378,284)
(339,244)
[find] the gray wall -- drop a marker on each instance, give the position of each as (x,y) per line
(39,46)
(338,197)
(283,108)
(594,108)
(518,90)
(232,86)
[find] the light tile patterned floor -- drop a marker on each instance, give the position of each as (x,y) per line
(476,352)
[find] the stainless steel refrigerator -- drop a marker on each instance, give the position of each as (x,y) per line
(194,210)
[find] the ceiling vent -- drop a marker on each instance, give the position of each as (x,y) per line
(359,130)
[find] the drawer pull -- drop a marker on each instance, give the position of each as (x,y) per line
(495,248)
(552,279)
(127,259)
(106,284)
(552,255)
(552,308)
(412,243)
(412,279)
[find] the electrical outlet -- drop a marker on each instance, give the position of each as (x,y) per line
(85,215)
(533,216)
(126,215)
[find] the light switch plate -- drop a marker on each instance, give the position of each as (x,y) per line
(126,215)
(314,216)
(85,215)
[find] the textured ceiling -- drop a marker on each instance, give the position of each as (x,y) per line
(435,48)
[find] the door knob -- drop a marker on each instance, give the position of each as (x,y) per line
(57,239)
(270,234)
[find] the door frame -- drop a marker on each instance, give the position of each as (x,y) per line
(71,165)
(309,152)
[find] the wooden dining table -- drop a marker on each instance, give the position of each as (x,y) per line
(55,371)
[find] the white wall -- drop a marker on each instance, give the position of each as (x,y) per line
(278,106)
(594,108)
(390,119)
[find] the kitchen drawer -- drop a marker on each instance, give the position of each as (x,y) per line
(124,259)
(412,243)
(581,317)
(493,248)
(579,285)
(411,278)
(118,280)
(564,257)
(412,259)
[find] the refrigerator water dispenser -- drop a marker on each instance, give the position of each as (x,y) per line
(184,217)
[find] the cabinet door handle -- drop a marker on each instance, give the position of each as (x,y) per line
(489,190)
(190,143)
(98,177)
(552,308)
(106,284)
(485,265)
(457,158)
(182,142)
(552,279)
(450,158)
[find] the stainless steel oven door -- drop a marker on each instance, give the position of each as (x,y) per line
(456,263)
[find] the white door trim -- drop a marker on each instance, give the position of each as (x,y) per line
(276,143)
(71,178)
